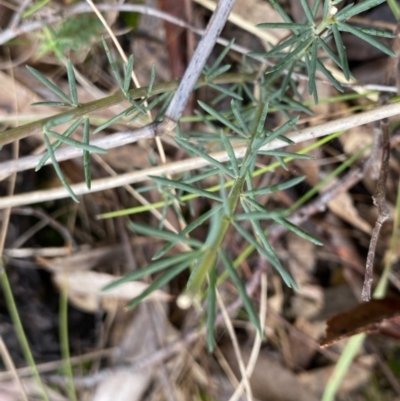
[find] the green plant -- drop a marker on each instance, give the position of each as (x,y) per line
(236,198)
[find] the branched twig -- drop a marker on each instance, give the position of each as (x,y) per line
(379,199)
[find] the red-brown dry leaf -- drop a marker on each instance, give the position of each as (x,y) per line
(381,316)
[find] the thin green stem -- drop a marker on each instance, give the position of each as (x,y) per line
(199,274)
(64,343)
(88,108)
(26,350)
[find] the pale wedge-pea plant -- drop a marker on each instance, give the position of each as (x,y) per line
(235,203)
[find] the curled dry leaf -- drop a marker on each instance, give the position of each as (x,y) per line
(85,290)
(381,316)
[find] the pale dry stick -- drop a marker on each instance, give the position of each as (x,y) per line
(197,162)
(235,343)
(49,252)
(123,138)
(8,362)
(258,340)
(186,86)
(17,16)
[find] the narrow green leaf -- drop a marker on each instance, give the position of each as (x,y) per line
(326,9)
(163,234)
(248,305)
(205,156)
(185,187)
(289,42)
(76,144)
(372,41)
(128,74)
(211,75)
(282,25)
(270,257)
(113,66)
(185,257)
(50,85)
(315,8)
(307,11)
(58,169)
(225,91)
(72,83)
(280,10)
(378,32)
(152,79)
(158,283)
(114,119)
(52,104)
(266,215)
(261,122)
(221,118)
(57,144)
(202,176)
(312,87)
(291,56)
(232,157)
(136,104)
(275,188)
(341,51)
(286,79)
(236,112)
(211,309)
(279,131)
(281,153)
(329,52)
(219,59)
(329,76)
(86,154)
(188,229)
(297,230)
(357,9)
(282,163)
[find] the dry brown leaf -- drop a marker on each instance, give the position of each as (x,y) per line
(84,290)
(377,316)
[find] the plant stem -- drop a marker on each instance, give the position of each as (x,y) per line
(12,308)
(200,272)
(87,108)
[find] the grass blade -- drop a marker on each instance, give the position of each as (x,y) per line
(86,154)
